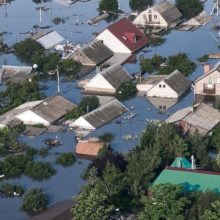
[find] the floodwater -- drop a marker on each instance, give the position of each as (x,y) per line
(19,17)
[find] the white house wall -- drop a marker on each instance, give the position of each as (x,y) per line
(30,118)
(162,90)
(112,42)
(143,19)
(82,123)
(144,87)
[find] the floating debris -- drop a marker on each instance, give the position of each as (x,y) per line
(53,141)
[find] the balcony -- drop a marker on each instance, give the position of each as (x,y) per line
(209,89)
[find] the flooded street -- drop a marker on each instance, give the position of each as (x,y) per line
(19,17)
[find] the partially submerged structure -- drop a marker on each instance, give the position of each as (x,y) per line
(108,81)
(48,39)
(15,74)
(164,14)
(123,37)
(201,118)
(189,176)
(100,116)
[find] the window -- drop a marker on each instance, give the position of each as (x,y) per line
(155,16)
(160,86)
(164,86)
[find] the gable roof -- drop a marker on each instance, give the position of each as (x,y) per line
(128,34)
(53,108)
(116,75)
(192,180)
(204,117)
(178,82)
(216,68)
(168,11)
(181,162)
(97,52)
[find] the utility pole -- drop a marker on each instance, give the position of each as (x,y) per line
(58,81)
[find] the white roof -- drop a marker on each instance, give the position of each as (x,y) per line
(50,40)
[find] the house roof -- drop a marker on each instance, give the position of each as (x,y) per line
(216,68)
(153,80)
(192,180)
(53,108)
(178,82)
(204,117)
(128,34)
(168,11)
(48,39)
(97,52)
(116,75)
(181,162)
(103,114)
(87,147)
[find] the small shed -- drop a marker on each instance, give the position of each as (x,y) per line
(93,54)
(108,81)
(100,116)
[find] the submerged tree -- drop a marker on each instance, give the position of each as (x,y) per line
(140,5)
(108,5)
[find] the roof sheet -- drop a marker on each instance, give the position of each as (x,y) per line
(178,82)
(168,11)
(97,52)
(124,28)
(105,113)
(181,162)
(116,75)
(53,108)
(50,39)
(192,180)
(153,80)
(204,117)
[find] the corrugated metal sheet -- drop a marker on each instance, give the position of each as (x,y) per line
(50,40)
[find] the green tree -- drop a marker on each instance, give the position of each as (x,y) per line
(189,8)
(108,5)
(106,137)
(69,66)
(66,159)
(140,5)
(167,202)
(34,201)
(214,213)
(92,205)
(126,91)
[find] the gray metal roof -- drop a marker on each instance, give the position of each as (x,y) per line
(97,52)
(105,113)
(178,82)
(204,117)
(153,80)
(116,75)
(168,11)
(53,108)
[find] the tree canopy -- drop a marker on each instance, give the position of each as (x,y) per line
(108,5)
(140,5)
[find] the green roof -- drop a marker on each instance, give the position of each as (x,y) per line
(192,180)
(181,162)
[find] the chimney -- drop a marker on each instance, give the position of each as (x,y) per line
(193,163)
(206,68)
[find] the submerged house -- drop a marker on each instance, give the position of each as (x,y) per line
(201,118)
(48,111)
(209,82)
(162,15)
(15,74)
(174,85)
(100,116)
(48,39)
(93,54)
(108,81)
(123,37)
(186,173)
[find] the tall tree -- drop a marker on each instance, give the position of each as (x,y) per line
(108,5)
(214,213)
(140,5)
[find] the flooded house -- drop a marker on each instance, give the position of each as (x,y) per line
(107,81)
(15,74)
(174,85)
(48,39)
(123,37)
(94,54)
(190,176)
(162,15)
(89,148)
(198,118)
(48,111)
(100,116)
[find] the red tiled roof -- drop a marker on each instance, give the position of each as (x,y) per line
(128,34)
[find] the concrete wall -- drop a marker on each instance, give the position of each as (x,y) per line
(143,87)
(215,79)
(162,90)
(143,19)
(82,123)
(30,118)
(112,42)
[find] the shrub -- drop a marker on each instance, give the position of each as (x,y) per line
(66,159)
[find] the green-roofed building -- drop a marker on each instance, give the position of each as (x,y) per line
(180,172)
